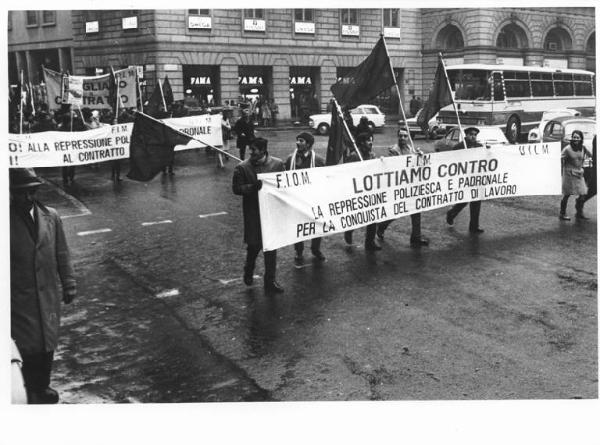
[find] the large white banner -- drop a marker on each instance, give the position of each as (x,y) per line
(303,204)
(107,143)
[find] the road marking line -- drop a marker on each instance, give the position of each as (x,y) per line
(168,293)
(93,232)
(233,280)
(151,223)
(212,214)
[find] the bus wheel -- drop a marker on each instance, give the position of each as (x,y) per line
(513,129)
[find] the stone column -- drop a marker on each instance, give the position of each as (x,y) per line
(281,88)
(230,89)
(328,78)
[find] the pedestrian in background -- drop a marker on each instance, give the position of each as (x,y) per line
(247,185)
(244,130)
(364,142)
(416,238)
(573,182)
(305,157)
(474,206)
(41,275)
(589,174)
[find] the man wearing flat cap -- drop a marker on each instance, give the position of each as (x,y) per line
(41,275)
(474,206)
(305,157)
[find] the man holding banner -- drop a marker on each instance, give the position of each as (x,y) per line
(247,185)
(474,206)
(305,157)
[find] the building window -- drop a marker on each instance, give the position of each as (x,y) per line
(511,37)
(304,21)
(449,38)
(254,20)
(48,17)
(349,21)
(557,40)
(32,18)
(199,19)
(131,21)
(391,23)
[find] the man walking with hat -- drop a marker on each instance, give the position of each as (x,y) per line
(305,157)
(474,206)
(41,275)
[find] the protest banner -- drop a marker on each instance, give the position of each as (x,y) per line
(109,142)
(96,90)
(303,204)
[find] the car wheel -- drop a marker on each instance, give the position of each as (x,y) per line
(513,129)
(323,129)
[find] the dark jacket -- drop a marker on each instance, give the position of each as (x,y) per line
(245,184)
(353,157)
(39,270)
(244,131)
(304,161)
(461,146)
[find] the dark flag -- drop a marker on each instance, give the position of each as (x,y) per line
(367,80)
(167,92)
(155,104)
(439,97)
(338,138)
(152,147)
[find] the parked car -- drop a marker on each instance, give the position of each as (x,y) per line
(321,122)
(535,134)
(415,130)
(561,128)
(487,136)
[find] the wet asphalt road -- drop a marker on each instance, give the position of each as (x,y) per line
(164,317)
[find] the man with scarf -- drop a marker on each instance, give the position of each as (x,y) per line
(305,157)
(247,185)
(403,148)
(41,275)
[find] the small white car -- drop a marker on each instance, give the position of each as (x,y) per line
(321,122)
(535,134)
(487,136)
(415,130)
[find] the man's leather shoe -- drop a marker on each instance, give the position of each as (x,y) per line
(318,255)
(564,217)
(273,287)
(372,247)
(46,397)
(248,278)
(348,238)
(581,216)
(449,219)
(419,242)
(476,231)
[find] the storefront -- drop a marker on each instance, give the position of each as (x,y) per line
(304,88)
(256,83)
(201,84)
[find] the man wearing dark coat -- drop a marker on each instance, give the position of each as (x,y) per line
(244,129)
(474,206)
(41,275)
(247,185)
(305,157)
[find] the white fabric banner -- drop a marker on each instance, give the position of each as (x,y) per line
(303,204)
(107,143)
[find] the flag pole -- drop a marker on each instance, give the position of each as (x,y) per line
(412,148)
(452,97)
(191,137)
(162,95)
(21,105)
(137,79)
(339,111)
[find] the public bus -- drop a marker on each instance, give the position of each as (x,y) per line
(515,97)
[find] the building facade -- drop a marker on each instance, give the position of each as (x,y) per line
(294,55)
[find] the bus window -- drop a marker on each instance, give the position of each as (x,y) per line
(583,85)
(498,88)
(541,84)
(516,84)
(563,84)
(472,85)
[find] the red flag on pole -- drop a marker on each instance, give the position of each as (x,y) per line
(439,96)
